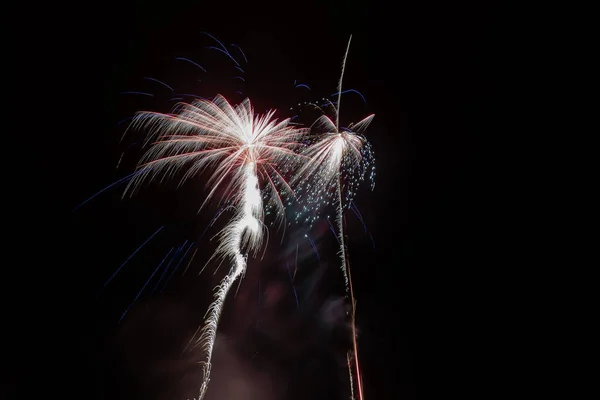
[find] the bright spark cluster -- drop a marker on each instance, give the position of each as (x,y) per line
(343,156)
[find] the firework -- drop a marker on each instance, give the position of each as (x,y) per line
(243,150)
(339,158)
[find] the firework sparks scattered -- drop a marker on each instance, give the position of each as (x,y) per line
(339,158)
(243,149)
(249,155)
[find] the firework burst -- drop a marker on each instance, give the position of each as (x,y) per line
(244,150)
(340,158)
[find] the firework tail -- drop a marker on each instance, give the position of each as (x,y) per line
(354,337)
(245,228)
(241,148)
(343,251)
(349,360)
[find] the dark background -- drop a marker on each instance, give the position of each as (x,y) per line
(437,78)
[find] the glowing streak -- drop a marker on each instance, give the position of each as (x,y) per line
(189,262)
(177,266)
(105,189)
(339,153)
(120,159)
(244,229)
(131,256)
(339,218)
(195,96)
(354,341)
(240,49)
(169,264)
(351,91)
(166,269)
(292,283)
(239,147)
(296,263)
(160,82)
(143,287)
(358,215)
(314,249)
(224,52)
(215,39)
(124,120)
(191,62)
(142,93)
(337,113)
(349,361)
(340,211)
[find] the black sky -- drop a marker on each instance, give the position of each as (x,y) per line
(434,75)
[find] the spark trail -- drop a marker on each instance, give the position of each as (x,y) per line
(240,147)
(339,159)
(340,217)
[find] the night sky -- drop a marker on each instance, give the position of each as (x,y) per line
(433,75)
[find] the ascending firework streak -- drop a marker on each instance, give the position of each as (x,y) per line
(340,152)
(241,147)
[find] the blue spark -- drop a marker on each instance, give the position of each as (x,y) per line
(314,248)
(333,231)
(302,85)
(166,269)
(358,214)
(143,287)
(169,264)
(351,90)
(161,82)
(142,93)
(190,61)
(372,240)
(224,52)
(217,214)
(192,95)
(132,254)
(125,120)
(293,287)
(240,49)
(106,188)
(215,39)
(177,266)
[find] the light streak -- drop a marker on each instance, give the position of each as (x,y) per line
(143,287)
(131,256)
(141,93)
(340,159)
(191,62)
(159,82)
(166,268)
